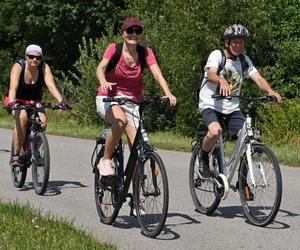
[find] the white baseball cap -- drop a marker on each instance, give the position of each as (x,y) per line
(33,47)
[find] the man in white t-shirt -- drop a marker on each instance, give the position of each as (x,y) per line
(226,82)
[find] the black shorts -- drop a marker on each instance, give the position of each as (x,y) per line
(234,121)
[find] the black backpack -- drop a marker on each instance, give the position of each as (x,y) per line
(244,64)
(119,47)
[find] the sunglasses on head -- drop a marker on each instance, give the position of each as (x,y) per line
(38,58)
(137,31)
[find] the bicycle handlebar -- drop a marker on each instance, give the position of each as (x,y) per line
(36,106)
(143,101)
(246,98)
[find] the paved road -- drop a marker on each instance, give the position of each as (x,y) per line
(70,195)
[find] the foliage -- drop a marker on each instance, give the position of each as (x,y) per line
(81,84)
(58,26)
(182,32)
(280,124)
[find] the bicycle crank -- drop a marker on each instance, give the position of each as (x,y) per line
(221,187)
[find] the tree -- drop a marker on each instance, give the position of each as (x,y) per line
(57,25)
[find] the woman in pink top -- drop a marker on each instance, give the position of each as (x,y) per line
(124,80)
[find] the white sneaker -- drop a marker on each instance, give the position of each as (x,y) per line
(142,212)
(105,167)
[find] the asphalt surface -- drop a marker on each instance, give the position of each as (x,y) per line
(70,195)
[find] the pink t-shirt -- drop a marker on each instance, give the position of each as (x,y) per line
(129,80)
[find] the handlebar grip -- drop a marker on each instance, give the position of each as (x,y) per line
(108,99)
(219,96)
(165,100)
(271,98)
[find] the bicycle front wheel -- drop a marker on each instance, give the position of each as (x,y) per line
(151,194)
(204,193)
(40,163)
(106,195)
(260,201)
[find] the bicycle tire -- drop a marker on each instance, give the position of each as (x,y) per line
(260,205)
(151,194)
(41,165)
(203,192)
(105,198)
(18,174)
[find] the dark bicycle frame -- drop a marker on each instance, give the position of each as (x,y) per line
(30,157)
(34,122)
(138,145)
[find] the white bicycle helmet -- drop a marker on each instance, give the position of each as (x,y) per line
(236,30)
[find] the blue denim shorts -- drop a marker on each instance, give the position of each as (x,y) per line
(234,121)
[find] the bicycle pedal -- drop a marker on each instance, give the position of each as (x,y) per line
(107,180)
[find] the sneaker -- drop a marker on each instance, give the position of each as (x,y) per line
(142,211)
(204,172)
(105,167)
(16,162)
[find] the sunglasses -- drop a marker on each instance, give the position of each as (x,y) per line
(137,31)
(38,58)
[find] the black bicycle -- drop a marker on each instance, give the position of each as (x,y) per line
(145,169)
(35,150)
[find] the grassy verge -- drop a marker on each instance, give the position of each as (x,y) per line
(286,154)
(23,228)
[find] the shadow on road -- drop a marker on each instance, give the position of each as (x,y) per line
(54,187)
(4,151)
(168,233)
(237,211)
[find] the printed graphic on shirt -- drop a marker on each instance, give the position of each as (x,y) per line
(233,78)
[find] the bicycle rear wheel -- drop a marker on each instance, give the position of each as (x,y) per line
(106,194)
(18,174)
(151,194)
(41,163)
(204,193)
(260,203)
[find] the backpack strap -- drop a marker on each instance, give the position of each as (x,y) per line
(142,56)
(41,67)
(119,48)
(22,64)
(113,62)
(220,67)
(223,62)
(244,63)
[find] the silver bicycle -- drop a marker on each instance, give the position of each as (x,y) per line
(259,184)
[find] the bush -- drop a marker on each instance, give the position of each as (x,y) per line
(80,85)
(280,124)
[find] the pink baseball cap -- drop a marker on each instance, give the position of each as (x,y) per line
(131,21)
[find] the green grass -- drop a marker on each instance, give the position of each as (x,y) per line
(21,227)
(59,124)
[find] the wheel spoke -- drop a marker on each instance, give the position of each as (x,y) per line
(265,200)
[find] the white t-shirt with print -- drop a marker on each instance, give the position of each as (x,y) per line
(232,72)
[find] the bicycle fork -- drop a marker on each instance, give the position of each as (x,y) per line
(32,147)
(250,166)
